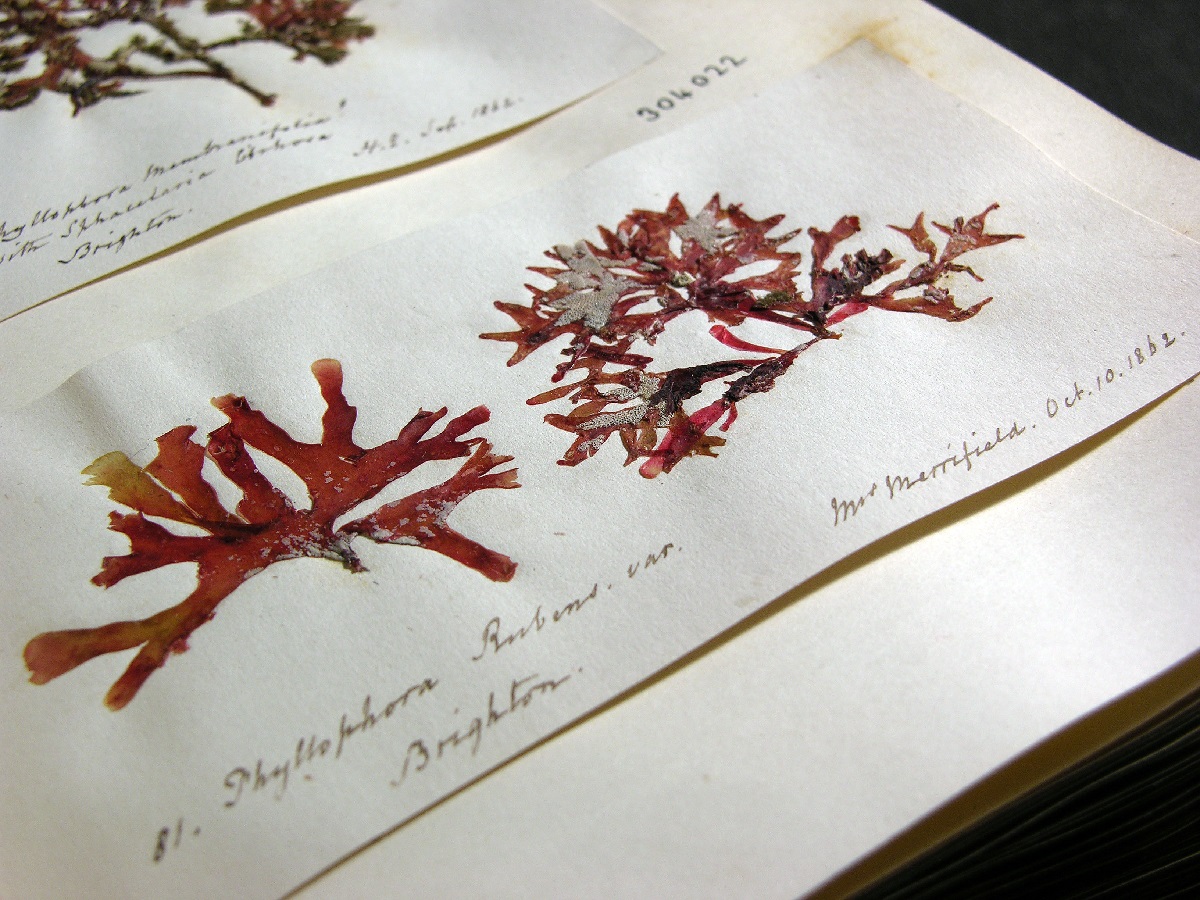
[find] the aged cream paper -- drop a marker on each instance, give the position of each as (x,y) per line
(321,706)
(170,118)
(775,760)
(739,774)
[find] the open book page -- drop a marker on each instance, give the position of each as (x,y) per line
(765,765)
(129,127)
(784,339)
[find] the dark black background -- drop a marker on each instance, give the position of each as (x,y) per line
(1139,60)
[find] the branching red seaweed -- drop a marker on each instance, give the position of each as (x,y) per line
(265,527)
(612,298)
(50,34)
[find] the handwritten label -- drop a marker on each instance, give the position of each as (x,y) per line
(437,125)
(496,637)
(1094,388)
(522,692)
(1107,380)
(171,836)
(895,485)
(257,151)
(108,220)
(118,242)
(24,248)
(653,112)
(273,778)
(299,130)
(77,226)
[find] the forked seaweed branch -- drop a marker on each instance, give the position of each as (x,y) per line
(230,546)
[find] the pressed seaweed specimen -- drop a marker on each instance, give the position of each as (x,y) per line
(265,527)
(51,34)
(613,298)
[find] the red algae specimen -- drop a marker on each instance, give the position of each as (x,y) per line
(613,298)
(266,527)
(46,35)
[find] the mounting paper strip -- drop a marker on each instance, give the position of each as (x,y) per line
(131,127)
